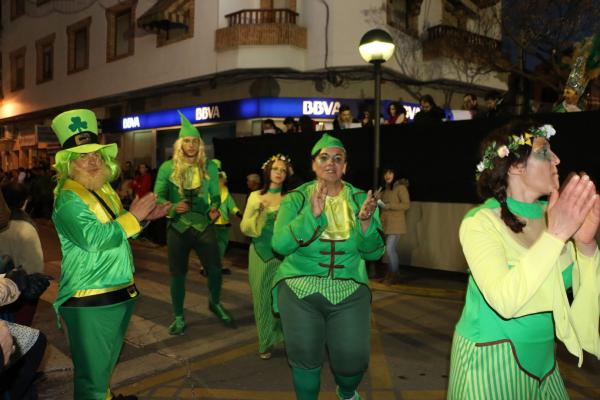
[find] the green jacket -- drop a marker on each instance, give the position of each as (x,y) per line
(200,199)
(297,236)
(95,251)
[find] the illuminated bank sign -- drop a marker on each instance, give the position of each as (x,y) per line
(317,108)
(260,107)
(131,123)
(207,113)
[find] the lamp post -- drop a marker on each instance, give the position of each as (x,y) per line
(376,47)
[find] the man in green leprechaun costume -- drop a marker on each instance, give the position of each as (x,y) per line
(326,229)
(96,293)
(191,183)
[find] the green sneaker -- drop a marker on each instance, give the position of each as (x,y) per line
(177,327)
(356,396)
(222,314)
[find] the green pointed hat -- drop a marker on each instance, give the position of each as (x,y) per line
(326,141)
(187,129)
(77,132)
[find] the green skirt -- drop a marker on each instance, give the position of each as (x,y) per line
(260,275)
(493,373)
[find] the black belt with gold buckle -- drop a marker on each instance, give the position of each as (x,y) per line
(103,299)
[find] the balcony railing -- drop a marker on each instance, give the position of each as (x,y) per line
(262,16)
(456,36)
(271,27)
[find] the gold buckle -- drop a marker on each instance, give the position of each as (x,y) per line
(132,291)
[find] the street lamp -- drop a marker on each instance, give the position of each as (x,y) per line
(376,47)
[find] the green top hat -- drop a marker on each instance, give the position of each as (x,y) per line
(77,132)
(326,141)
(187,129)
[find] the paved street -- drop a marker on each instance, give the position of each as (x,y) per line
(411,333)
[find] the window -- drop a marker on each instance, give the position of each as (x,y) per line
(404,15)
(17,69)
(181,23)
(79,45)
(45,58)
(120,21)
(17,8)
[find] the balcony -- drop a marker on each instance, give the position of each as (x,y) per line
(258,27)
(448,41)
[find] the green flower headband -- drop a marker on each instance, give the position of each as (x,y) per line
(492,151)
(278,156)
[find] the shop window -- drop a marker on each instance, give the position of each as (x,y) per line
(45,59)
(180,24)
(79,45)
(17,69)
(120,21)
(17,8)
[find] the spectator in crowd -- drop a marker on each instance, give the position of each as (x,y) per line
(269,127)
(22,348)
(22,174)
(306,124)
(291,126)
(429,112)
(493,102)
(21,242)
(128,171)
(365,119)
(253,182)
(470,104)
(394,200)
(396,114)
(343,119)
(142,182)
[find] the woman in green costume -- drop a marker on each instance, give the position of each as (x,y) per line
(326,229)
(96,293)
(523,255)
(257,223)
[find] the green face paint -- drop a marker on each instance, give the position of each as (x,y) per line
(543,153)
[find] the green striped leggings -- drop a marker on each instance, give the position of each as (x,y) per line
(492,373)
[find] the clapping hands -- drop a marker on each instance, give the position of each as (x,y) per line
(575,211)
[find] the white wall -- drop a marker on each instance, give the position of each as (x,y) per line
(195,57)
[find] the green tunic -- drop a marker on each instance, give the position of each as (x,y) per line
(201,197)
(299,237)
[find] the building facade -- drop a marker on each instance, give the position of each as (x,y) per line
(228,63)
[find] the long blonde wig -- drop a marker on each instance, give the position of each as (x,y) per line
(180,164)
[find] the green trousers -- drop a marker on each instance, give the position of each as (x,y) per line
(222,233)
(312,324)
(95,340)
(179,247)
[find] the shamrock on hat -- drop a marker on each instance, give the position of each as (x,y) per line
(77,132)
